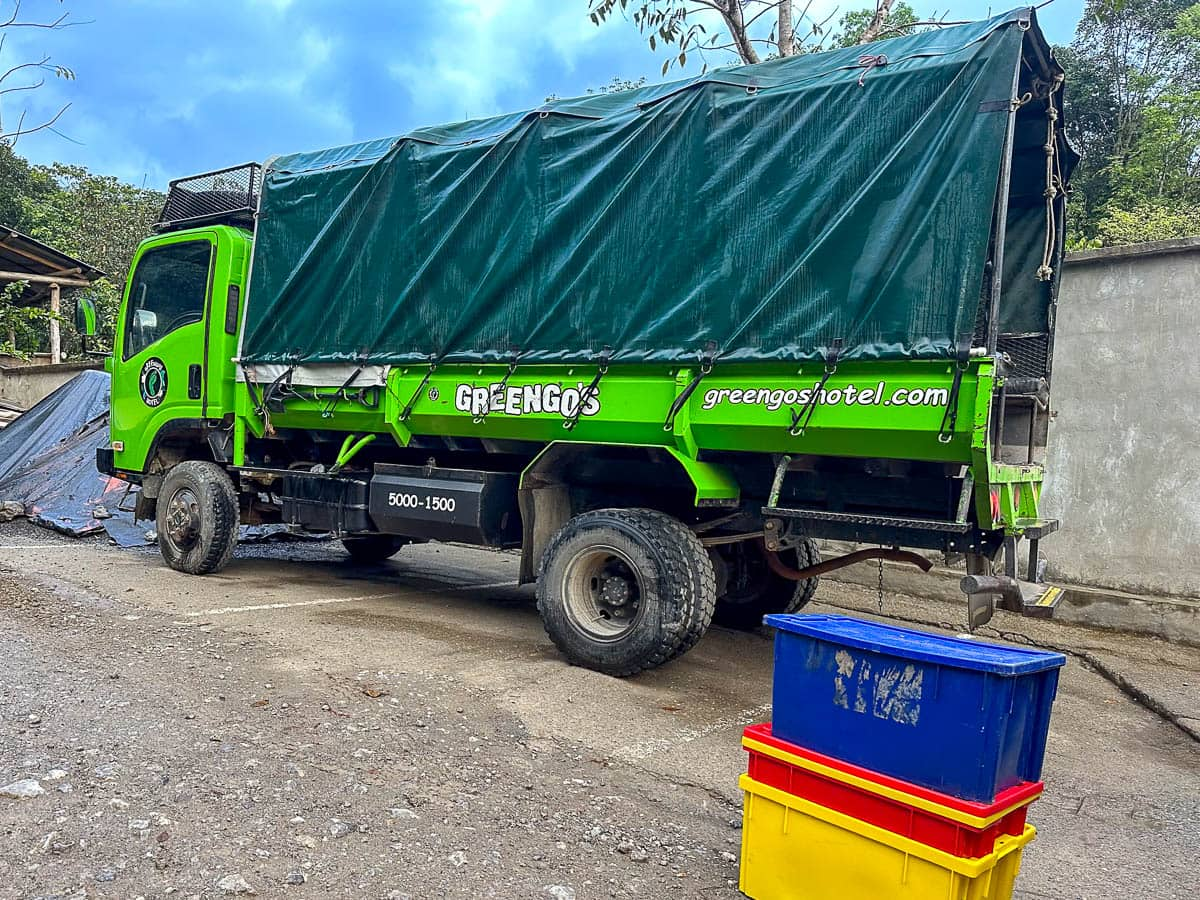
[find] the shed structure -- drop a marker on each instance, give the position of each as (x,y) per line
(46,271)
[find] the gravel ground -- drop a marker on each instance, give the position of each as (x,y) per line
(298,728)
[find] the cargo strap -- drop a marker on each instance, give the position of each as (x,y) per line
(588,392)
(801,419)
(480,417)
(706,365)
(257,401)
(950,416)
(340,393)
(412,401)
(263,404)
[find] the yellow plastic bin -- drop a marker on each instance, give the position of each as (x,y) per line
(792,848)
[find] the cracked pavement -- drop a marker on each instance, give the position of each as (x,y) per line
(321,730)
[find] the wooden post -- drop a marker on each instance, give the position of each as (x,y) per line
(55,337)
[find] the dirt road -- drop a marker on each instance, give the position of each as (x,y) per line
(300,727)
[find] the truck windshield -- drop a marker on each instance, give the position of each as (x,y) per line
(168,291)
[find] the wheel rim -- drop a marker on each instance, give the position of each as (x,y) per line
(602,593)
(183,519)
(748,576)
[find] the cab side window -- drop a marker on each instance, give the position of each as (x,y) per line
(168,291)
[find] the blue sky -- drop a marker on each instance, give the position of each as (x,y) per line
(167,88)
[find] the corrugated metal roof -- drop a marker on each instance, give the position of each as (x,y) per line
(21,253)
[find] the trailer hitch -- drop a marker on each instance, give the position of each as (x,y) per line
(1024,597)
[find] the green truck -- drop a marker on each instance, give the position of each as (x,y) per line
(662,341)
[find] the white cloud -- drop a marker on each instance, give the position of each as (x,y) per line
(488,48)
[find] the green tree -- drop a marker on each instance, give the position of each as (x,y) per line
(853,26)
(1133,111)
(95,218)
(754,30)
(22,328)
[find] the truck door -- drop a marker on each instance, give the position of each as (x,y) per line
(158,353)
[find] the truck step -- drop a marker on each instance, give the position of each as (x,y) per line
(821,515)
(894,531)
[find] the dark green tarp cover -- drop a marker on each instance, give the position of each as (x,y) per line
(757,212)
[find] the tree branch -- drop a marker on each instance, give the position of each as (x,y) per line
(883,9)
(11,137)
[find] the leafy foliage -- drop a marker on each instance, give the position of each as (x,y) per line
(852,26)
(618,84)
(20,326)
(95,218)
(1133,111)
(753,30)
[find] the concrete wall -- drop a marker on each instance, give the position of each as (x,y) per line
(1123,465)
(25,385)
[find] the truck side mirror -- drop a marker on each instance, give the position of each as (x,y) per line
(85,317)
(145,320)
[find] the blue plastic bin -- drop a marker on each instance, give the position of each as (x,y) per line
(957,715)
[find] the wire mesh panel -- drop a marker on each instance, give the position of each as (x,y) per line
(228,195)
(1027,352)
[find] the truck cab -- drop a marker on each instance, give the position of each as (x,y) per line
(177,329)
(176,339)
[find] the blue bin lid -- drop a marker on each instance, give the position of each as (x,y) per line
(923,646)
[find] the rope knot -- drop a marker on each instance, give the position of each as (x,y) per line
(870,61)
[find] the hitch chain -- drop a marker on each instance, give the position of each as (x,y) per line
(880,596)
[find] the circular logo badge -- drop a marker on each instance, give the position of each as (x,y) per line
(153,381)
(434,393)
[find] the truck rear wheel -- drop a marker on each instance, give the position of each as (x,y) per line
(197,518)
(373,548)
(752,590)
(622,591)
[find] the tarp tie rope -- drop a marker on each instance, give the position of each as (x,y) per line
(706,365)
(1053,185)
(869,62)
(801,419)
(480,417)
(588,392)
(950,416)
(412,401)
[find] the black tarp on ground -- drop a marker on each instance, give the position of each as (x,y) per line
(56,416)
(48,463)
(61,489)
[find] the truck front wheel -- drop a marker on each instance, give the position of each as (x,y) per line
(622,591)
(197,518)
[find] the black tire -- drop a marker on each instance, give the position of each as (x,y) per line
(612,560)
(197,518)
(373,548)
(752,590)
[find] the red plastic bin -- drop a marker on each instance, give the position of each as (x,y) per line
(963,828)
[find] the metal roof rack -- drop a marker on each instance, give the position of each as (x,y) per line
(224,197)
